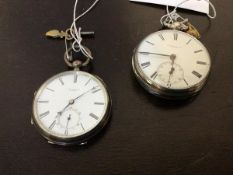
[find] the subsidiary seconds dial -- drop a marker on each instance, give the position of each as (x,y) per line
(171,64)
(172,77)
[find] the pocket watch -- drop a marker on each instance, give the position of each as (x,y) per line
(171,64)
(71,107)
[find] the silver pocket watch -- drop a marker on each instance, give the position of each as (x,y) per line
(71,107)
(172,63)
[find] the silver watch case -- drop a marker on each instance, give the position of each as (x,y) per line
(163,92)
(79,140)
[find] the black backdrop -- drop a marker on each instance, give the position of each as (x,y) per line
(145,135)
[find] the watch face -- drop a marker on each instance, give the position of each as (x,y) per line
(70,104)
(173,60)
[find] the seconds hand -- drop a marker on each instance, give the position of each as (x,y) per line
(68,120)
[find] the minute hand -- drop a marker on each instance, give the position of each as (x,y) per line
(84,93)
(151,53)
(73,100)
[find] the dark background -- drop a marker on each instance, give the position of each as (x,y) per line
(145,135)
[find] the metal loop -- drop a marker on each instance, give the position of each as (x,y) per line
(75,63)
(68,36)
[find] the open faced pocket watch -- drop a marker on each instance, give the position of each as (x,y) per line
(71,107)
(172,63)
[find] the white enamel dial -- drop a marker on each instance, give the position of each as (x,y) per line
(173,60)
(70,104)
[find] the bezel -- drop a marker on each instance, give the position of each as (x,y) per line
(72,140)
(159,90)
